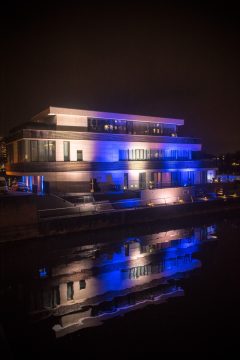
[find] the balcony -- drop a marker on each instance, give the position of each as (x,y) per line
(77,135)
(62,166)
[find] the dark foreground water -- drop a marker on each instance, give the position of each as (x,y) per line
(153,289)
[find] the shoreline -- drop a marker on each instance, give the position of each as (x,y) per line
(69,224)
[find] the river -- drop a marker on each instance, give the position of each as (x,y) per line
(172,288)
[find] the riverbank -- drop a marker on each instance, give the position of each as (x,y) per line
(25,223)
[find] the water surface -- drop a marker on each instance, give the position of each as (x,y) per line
(161,289)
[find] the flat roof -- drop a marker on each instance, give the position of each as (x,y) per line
(51,110)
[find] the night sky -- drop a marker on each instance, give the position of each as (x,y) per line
(169,60)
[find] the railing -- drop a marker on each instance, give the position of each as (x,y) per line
(61,166)
(128,205)
(77,135)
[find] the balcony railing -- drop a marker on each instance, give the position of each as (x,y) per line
(65,166)
(77,135)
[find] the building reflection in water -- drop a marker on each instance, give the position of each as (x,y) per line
(96,282)
(81,286)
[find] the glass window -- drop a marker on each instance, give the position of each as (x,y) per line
(169,129)
(42,150)
(125,180)
(27,151)
(130,155)
(123,154)
(66,150)
(141,155)
(137,154)
(34,150)
(10,153)
(79,155)
(70,291)
(20,150)
(129,127)
(51,150)
(142,180)
(55,296)
(140,128)
(82,284)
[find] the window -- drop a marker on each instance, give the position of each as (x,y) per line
(169,129)
(141,154)
(79,155)
(82,284)
(20,150)
(70,291)
(107,125)
(137,154)
(51,150)
(142,180)
(123,154)
(34,150)
(140,128)
(66,150)
(42,150)
(125,181)
(152,154)
(55,296)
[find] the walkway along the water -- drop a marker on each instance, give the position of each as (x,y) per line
(21,220)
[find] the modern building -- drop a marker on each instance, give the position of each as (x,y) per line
(73,150)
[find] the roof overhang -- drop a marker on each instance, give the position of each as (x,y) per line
(51,111)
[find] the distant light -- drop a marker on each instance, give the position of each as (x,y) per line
(42,272)
(51,114)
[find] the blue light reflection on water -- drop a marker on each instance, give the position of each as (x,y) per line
(134,270)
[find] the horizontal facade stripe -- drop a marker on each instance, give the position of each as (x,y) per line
(105,115)
(62,166)
(74,135)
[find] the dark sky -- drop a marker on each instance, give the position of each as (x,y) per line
(169,60)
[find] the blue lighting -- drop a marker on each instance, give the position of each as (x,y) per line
(42,272)
(41,182)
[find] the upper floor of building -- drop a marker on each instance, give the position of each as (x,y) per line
(59,134)
(102,122)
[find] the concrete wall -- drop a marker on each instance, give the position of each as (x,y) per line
(168,195)
(72,120)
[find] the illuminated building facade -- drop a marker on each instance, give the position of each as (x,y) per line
(67,149)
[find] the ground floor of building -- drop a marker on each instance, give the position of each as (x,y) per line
(93,181)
